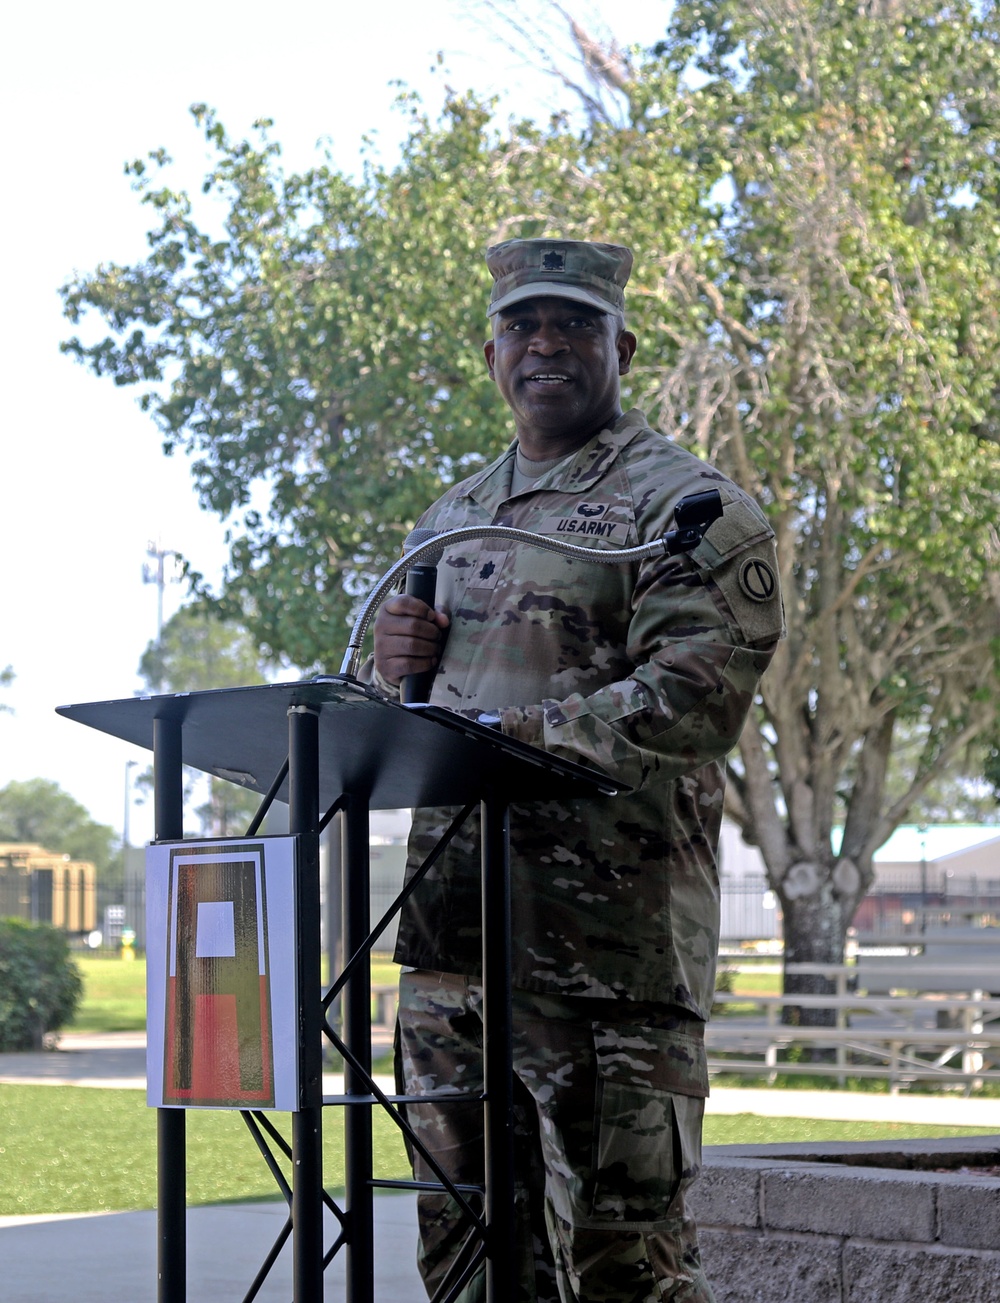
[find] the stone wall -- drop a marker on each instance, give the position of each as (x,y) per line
(851,1223)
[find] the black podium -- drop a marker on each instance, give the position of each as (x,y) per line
(329,746)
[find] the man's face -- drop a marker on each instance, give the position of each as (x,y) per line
(557,364)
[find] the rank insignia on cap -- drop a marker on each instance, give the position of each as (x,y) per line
(583,271)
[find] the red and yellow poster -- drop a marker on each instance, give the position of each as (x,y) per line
(221,974)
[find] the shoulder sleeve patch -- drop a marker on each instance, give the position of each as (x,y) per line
(757,579)
(749,584)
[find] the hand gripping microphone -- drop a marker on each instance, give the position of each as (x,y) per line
(421,581)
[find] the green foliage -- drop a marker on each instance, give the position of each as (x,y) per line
(40,986)
(811,190)
(7,677)
(325,345)
(851,383)
(196,650)
(724,983)
(991,769)
(39,811)
(966,793)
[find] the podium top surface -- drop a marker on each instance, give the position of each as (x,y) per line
(392,755)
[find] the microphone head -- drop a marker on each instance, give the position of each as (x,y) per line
(418,536)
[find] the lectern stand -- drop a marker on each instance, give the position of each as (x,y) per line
(329,746)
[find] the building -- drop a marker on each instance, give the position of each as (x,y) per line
(46,887)
(925,876)
(932,876)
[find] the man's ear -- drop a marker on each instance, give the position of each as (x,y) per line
(626,345)
(488,352)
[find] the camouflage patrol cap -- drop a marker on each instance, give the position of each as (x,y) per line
(581,270)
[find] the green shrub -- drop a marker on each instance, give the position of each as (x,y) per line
(40,986)
(725,979)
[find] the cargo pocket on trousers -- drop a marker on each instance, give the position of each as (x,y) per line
(652,1086)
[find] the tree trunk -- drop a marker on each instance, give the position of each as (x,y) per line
(815,926)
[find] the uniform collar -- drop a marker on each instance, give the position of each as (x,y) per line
(578,473)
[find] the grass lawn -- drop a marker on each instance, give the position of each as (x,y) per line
(748,979)
(67,1149)
(74,1149)
(114,995)
(114,992)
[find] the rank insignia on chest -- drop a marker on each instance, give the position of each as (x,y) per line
(486,569)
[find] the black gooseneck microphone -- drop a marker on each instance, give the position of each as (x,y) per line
(421,581)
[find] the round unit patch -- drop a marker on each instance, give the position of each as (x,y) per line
(757,580)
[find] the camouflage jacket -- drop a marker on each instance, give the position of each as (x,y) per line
(646,671)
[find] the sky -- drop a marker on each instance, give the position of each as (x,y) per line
(85,487)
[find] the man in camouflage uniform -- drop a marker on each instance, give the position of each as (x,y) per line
(646,671)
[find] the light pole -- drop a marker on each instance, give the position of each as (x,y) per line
(133,905)
(129,766)
(157,574)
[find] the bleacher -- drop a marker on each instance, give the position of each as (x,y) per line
(912,1007)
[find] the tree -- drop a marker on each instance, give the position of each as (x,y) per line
(197,651)
(325,344)
(811,189)
(991,768)
(959,793)
(7,677)
(39,812)
(850,380)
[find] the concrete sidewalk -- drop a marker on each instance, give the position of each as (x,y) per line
(111,1257)
(858,1106)
(118,1059)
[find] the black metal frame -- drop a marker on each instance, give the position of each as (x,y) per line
(306,1195)
(490,1210)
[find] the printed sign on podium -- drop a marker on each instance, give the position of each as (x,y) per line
(222,1007)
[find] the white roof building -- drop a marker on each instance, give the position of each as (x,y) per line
(959,850)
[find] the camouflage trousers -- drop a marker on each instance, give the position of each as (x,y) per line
(609,1100)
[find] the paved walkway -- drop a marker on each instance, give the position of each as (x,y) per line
(118,1059)
(112,1256)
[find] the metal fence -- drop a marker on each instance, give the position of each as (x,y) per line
(939,898)
(897,903)
(749,910)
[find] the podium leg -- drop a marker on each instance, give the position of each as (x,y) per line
(171,1205)
(498,1053)
(356,1006)
(171,1123)
(307,1120)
